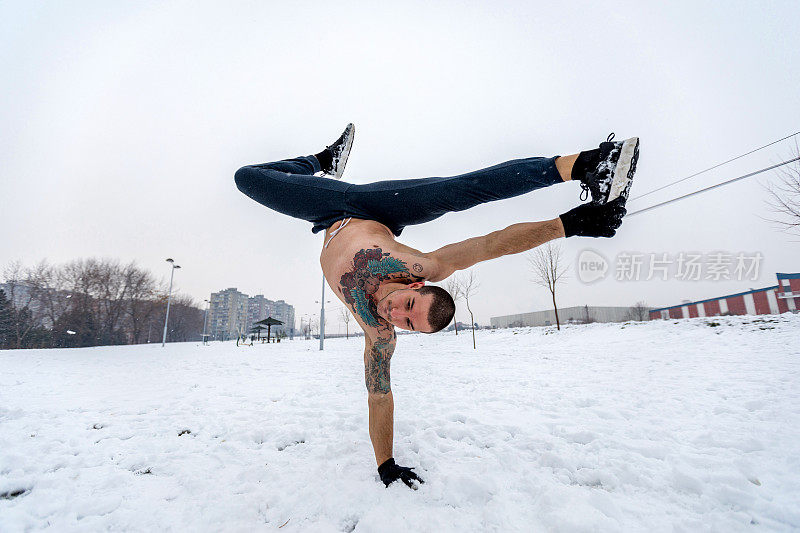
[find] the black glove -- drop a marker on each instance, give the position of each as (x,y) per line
(391,472)
(591,220)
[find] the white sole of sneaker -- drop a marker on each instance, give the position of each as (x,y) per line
(622,171)
(348,144)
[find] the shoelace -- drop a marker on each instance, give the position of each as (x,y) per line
(584,192)
(584,187)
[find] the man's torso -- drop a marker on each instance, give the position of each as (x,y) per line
(362,256)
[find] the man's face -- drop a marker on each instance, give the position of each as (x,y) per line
(406,309)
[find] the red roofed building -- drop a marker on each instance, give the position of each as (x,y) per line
(781,298)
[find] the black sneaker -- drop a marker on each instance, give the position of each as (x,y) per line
(607,172)
(340,151)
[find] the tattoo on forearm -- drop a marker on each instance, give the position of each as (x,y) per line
(370,268)
(376,368)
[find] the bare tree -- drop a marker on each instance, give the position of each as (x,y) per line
(468,287)
(185,320)
(24,305)
(41,283)
(6,321)
(52,301)
(785,195)
(90,298)
(640,311)
(142,290)
(77,325)
(111,295)
(345,317)
(89,302)
(454,288)
(548,270)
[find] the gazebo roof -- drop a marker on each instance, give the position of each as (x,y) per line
(269,321)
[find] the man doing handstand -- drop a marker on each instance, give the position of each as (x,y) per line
(383,281)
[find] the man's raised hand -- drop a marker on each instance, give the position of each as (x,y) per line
(391,472)
(591,220)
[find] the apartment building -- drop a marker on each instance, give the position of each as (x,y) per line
(232,313)
(227,314)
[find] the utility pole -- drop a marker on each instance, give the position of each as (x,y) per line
(169,297)
(205,320)
(322,312)
(322,317)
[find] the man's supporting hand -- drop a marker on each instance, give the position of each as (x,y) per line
(590,220)
(391,472)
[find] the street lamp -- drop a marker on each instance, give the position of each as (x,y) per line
(205,321)
(169,297)
(322,316)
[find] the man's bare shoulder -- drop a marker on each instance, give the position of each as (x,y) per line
(362,235)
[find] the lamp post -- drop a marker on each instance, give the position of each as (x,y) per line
(322,317)
(205,320)
(169,297)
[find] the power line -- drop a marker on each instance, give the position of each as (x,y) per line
(712,168)
(713,187)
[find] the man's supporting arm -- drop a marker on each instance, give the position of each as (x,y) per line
(377,356)
(511,240)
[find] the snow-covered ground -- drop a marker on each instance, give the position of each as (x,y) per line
(661,426)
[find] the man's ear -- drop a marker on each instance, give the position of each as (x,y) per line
(416,285)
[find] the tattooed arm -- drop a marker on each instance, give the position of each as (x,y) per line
(357,288)
(377,354)
(511,240)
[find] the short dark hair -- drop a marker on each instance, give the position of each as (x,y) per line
(442,307)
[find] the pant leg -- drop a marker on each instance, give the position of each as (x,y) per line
(290,187)
(400,203)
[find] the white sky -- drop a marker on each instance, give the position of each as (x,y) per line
(123,123)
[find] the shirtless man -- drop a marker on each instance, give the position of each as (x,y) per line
(383,281)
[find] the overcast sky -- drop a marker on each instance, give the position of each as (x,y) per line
(123,123)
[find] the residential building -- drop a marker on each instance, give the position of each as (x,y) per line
(258,308)
(232,313)
(19,293)
(285,313)
(227,314)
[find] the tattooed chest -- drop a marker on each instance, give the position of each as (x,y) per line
(371,267)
